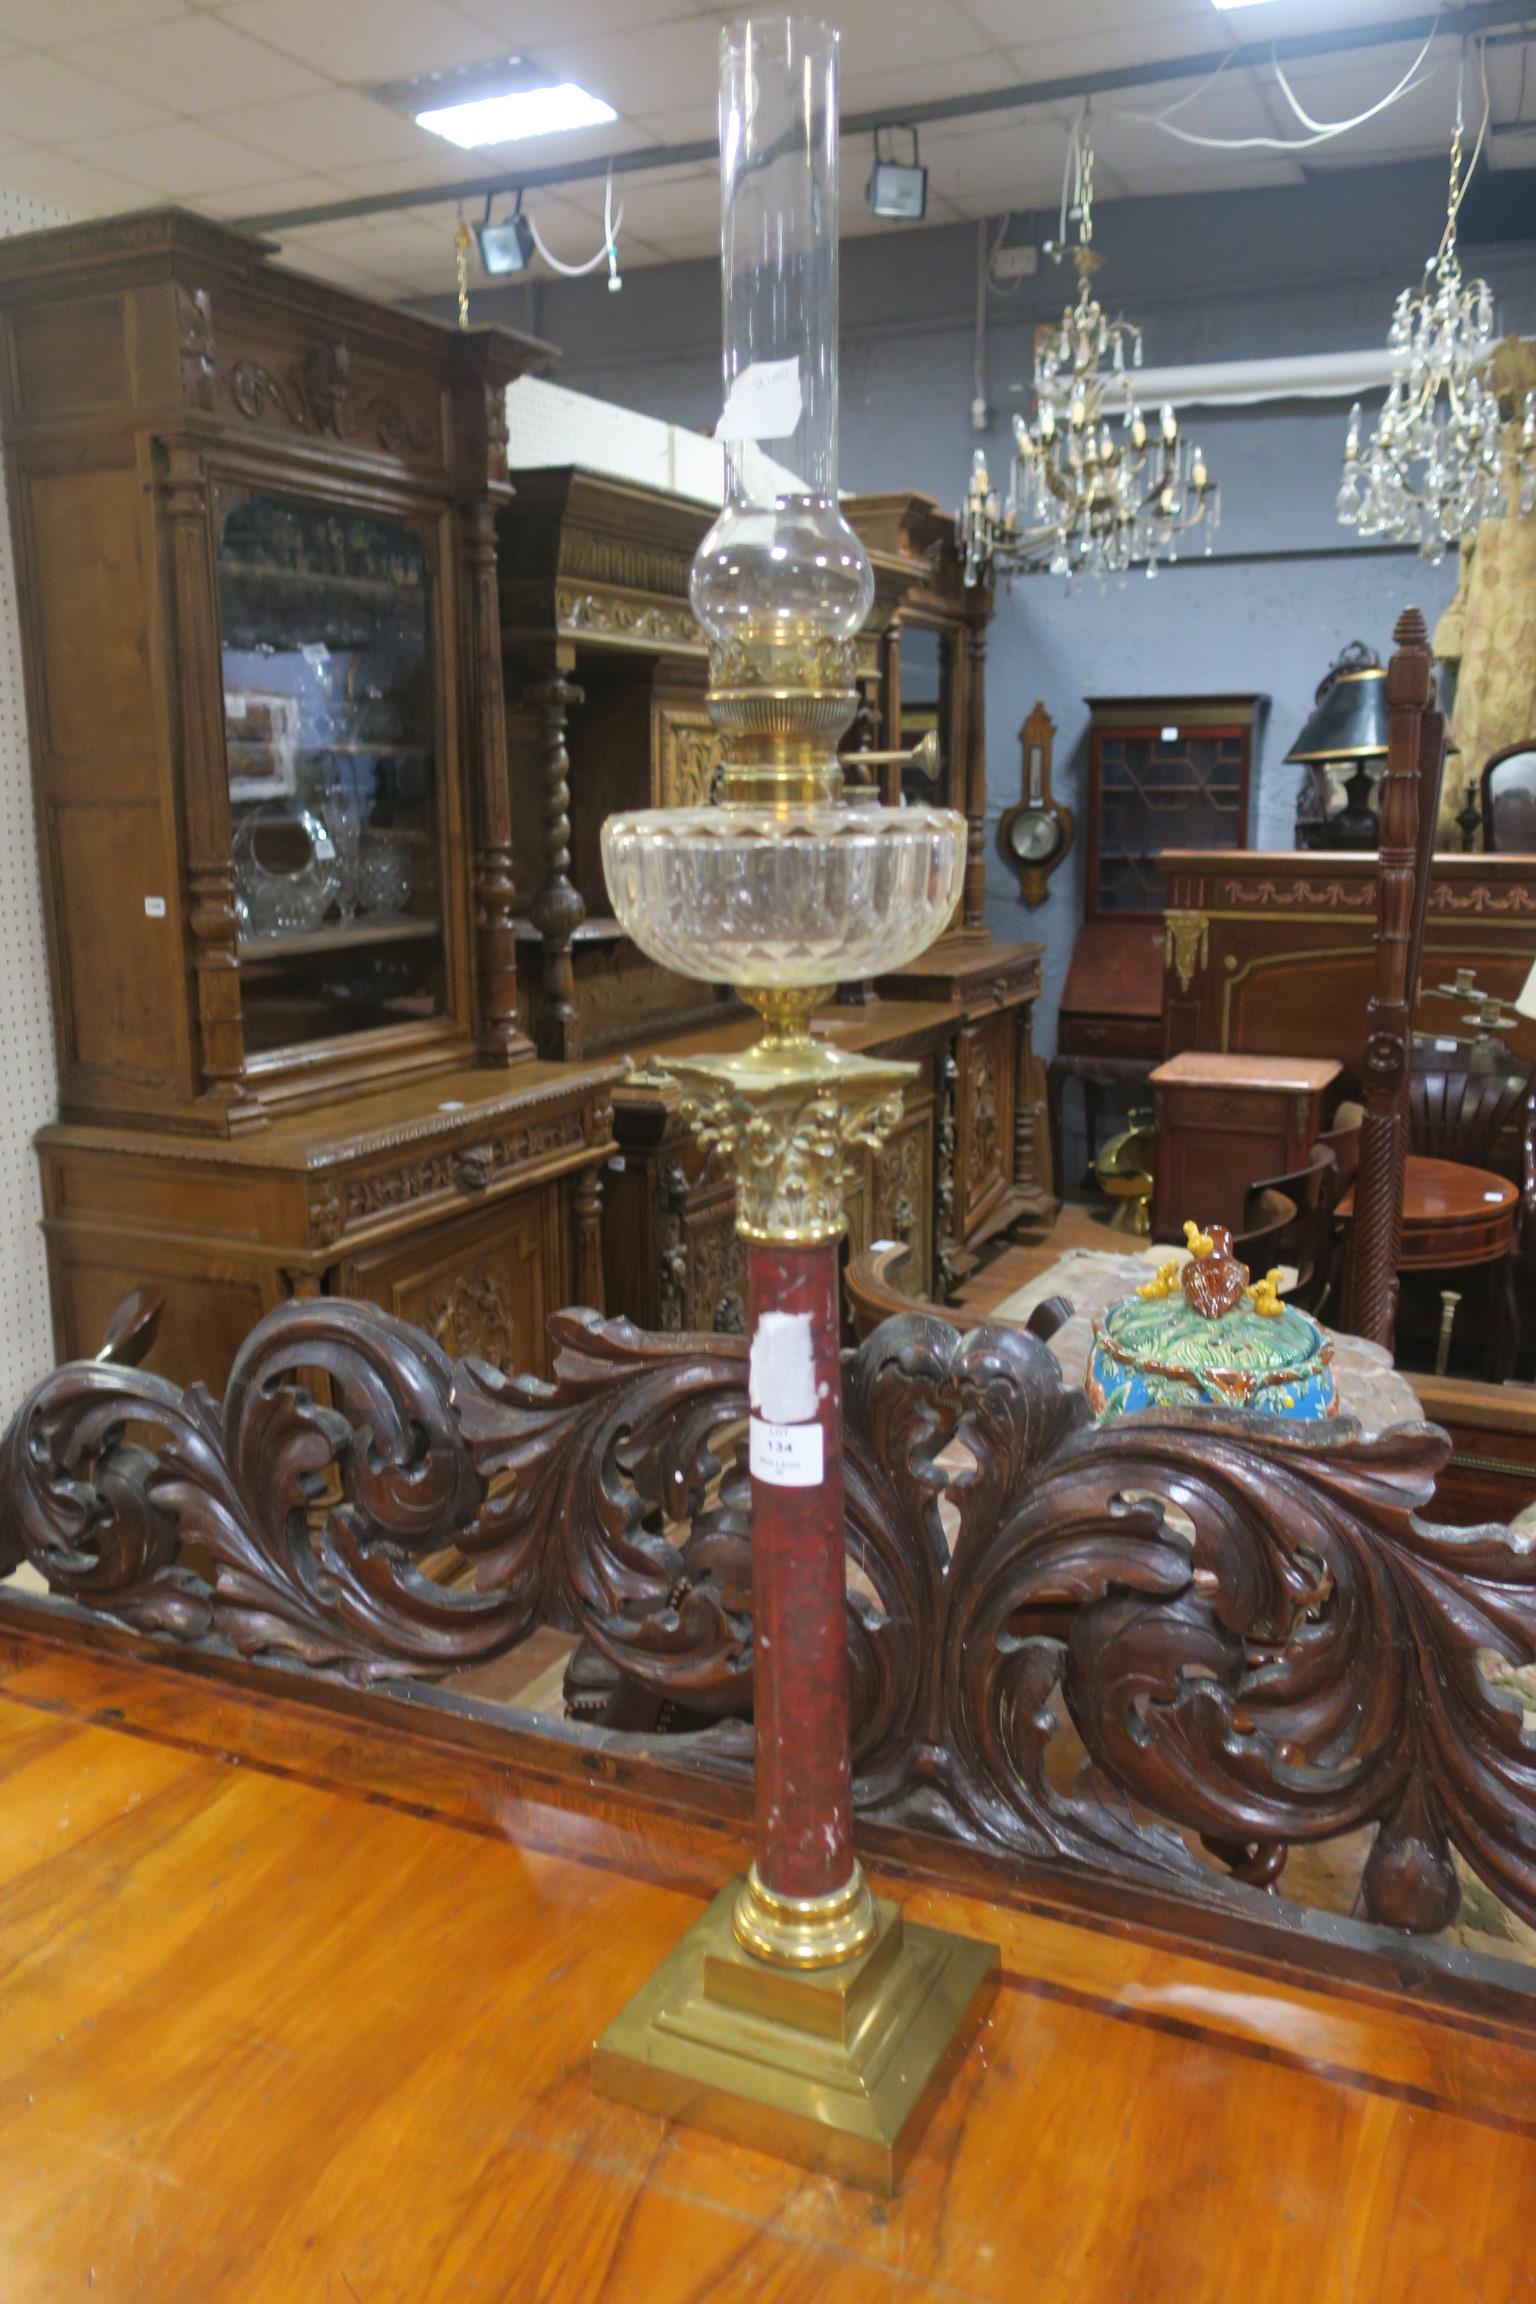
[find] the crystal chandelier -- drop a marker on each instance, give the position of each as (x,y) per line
(1093,488)
(1437,463)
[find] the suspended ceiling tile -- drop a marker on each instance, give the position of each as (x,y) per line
(53,103)
(903,32)
(875,89)
(194,64)
(334,128)
(562,151)
(255,199)
(69,184)
(668,64)
(179,159)
(676,201)
(527,22)
(43,23)
(324,264)
(1157,27)
(435,163)
(365,44)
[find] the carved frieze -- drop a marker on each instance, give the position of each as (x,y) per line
(315,395)
(613,561)
(637,623)
(461,1168)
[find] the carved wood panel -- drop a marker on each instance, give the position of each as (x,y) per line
(984,1095)
(902,1202)
(685,755)
(1254,1636)
(481,1289)
(714,1266)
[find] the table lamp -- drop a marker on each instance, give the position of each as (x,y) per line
(1347,728)
(798,2013)
(1525,998)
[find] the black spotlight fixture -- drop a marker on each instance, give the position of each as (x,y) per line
(897,189)
(506,247)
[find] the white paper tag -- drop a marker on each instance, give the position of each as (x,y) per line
(154,907)
(764,402)
(782,1368)
(786,1455)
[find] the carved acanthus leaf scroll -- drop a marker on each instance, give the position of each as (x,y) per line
(1253,1635)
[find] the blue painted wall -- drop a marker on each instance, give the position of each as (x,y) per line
(1315,268)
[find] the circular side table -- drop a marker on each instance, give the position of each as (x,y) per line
(1455,1218)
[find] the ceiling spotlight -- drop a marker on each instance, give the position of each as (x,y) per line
(897,188)
(506,247)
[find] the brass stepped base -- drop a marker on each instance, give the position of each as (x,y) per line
(837,2068)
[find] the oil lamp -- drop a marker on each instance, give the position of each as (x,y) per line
(799,2013)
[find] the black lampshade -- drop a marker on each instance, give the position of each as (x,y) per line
(1349,719)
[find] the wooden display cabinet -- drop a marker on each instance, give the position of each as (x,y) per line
(1158,767)
(254,525)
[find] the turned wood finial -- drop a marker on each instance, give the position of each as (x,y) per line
(1410,630)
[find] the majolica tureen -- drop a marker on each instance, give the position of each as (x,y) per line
(1201,1335)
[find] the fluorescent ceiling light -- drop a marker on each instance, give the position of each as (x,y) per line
(515,113)
(1229,5)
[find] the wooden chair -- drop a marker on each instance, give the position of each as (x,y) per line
(872,1295)
(1269,1214)
(1509,801)
(1306,1241)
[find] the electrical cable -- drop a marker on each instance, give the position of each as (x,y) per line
(608,253)
(1323,132)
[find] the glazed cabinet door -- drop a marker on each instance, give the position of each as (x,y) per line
(482,1284)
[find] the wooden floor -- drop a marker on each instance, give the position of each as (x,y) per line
(1078,1224)
(268,2039)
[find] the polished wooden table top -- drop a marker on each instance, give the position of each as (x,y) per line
(1451,1214)
(270,2035)
(1284,1075)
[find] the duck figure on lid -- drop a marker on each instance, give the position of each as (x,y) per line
(1200,1333)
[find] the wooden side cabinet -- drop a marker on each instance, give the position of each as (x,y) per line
(1225,1122)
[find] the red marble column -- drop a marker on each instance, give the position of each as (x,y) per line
(804,1800)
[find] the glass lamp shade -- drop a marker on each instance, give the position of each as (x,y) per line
(1349,719)
(779,886)
(773,898)
(781,583)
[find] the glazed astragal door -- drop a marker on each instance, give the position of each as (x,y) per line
(334,737)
